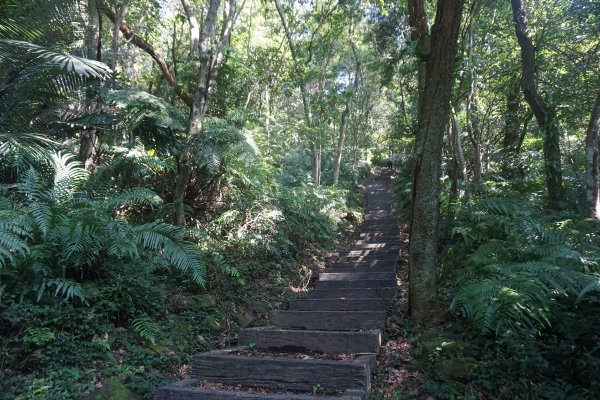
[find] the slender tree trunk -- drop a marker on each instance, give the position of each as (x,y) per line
(149,49)
(591,163)
(308,118)
(210,55)
(473,129)
(434,114)
(420,36)
(194,27)
(117,35)
(544,115)
(341,139)
(93,42)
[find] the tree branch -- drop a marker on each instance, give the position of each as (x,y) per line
(147,47)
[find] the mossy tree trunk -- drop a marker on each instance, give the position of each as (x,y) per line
(434,114)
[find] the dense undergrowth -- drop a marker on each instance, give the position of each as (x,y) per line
(522,284)
(99,291)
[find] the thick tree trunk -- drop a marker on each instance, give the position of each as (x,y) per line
(591,163)
(434,114)
(544,115)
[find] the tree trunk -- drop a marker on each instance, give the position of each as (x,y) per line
(93,42)
(591,163)
(434,114)
(544,115)
(116,35)
(473,128)
(341,138)
(210,54)
(194,28)
(93,32)
(308,118)
(421,38)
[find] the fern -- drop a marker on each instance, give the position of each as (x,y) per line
(168,239)
(146,328)
(523,270)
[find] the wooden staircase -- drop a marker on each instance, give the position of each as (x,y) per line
(341,319)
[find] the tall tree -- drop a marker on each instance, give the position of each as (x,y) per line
(591,163)
(302,84)
(434,114)
(544,115)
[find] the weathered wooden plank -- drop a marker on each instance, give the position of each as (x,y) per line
(377,246)
(328,320)
(384,293)
(349,276)
(383,251)
(367,264)
(189,390)
(283,373)
(366,235)
(376,304)
(371,257)
(271,338)
(357,284)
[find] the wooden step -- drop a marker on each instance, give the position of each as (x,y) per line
(226,367)
(368,264)
(349,276)
(189,390)
(376,246)
(376,304)
(328,320)
(383,293)
(356,284)
(333,342)
(384,251)
(391,258)
(370,235)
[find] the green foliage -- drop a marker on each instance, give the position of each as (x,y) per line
(58,228)
(146,328)
(523,272)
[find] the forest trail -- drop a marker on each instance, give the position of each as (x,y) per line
(324,346)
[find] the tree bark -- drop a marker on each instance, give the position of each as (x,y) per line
(194,28)
(93,32)
(544,115)
(591,163)
(434,114)
(116,34)
(420,37)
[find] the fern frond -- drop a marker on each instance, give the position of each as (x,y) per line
(168,239)
(146,328)
(67,289)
